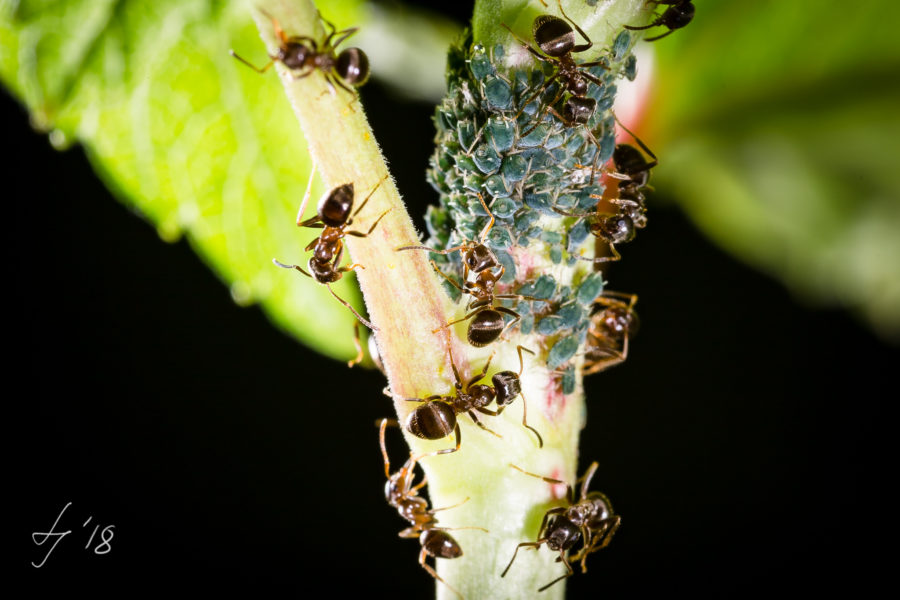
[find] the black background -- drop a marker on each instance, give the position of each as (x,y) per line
(745,441)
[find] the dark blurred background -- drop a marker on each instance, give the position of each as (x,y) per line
(745,442)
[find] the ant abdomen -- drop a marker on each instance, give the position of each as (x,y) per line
(440,544)
(353,66)
(431,421)
(334,208)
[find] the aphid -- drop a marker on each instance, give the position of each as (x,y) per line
(402,494)
(476,256)
(590,520)
(333,217)
(679,14)
(303,56)
(613,322)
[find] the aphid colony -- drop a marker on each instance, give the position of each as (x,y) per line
(534,129)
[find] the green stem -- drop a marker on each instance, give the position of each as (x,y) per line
(406,302)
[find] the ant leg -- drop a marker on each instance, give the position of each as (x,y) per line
(573,214)
(482,425)
(377,185)
(372,228)
(548,106)
(353,310)
(297,267)
(314,222)
(434,510)
(586,478)
(562,559)
(387,461)
(276,26)
(460,320)
(526,45)
(347,33)
(251,65)
(598,541)
(359,351)
(616,256)
(516,316)
(331,79)
(658,21)
(423,554)
(570,493)
(525,422)
(487,227)
(458,433)
(534,545)
(582,47)
(522,364)
(484,371)
(605,299)
(659,37)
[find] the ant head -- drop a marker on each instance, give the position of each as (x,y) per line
(677,16)
(294,54)
(353,66)
(554,36)
(562,533)
(480,258)
(334,207)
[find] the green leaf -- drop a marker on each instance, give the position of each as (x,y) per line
(195,141)
(778,132)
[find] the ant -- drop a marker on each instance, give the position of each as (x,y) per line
(633,172)
(487,324)
(556,40)
(436,417)
(678,15)
(333,216)
(476,256)
(400,493)
(303,54)
(613,322)
(590,519)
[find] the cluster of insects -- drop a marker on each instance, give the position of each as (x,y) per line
(586,523)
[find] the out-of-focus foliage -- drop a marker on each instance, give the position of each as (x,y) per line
(779,134)
(197,142)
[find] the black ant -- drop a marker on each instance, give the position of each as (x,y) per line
(303,54)
(556,40)
(476,256)
(436,418)
(590,519)
(613,322)
(400,493)
(679,14)
(633,171)
(488,324)
(333,217)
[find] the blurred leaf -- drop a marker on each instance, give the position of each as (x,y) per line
(197,142)
(779,135)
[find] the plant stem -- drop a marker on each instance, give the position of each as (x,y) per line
(408,305)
